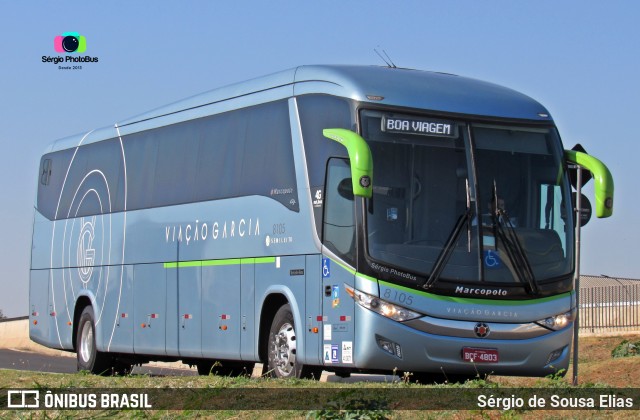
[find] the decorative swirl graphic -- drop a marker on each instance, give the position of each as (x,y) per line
(84,254)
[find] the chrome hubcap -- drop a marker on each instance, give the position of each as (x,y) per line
(283,346)
(86,342)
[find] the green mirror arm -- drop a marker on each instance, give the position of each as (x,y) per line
(603,180)
(359,156)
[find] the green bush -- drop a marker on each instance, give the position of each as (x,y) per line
(626,349)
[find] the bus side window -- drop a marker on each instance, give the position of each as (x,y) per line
(552,211)
(551,216)
(45,173)
(339,212)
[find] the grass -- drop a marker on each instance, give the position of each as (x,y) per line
(347,400)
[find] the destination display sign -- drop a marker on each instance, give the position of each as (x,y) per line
(419,126)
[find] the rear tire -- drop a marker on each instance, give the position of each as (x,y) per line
(89,358)
(282,349)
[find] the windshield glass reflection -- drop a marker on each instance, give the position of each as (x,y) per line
(428,218)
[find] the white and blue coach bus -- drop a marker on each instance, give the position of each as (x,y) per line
(338,218)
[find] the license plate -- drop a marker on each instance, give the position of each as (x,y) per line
(476,355)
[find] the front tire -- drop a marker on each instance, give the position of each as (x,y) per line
(89,358)
(282,349)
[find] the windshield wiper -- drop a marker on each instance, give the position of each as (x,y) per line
(520,265)
(447,250)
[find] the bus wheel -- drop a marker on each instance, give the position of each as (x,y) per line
(225,368)
(282,349)
(89,358)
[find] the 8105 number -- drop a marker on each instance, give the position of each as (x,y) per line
(400,297)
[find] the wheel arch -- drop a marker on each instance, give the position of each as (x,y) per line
(270,306)
(82,302)
(274,299)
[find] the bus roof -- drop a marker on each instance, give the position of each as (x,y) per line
(381,85)
(432,91)
(426,90)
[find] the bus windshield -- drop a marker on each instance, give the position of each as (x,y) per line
(463,202)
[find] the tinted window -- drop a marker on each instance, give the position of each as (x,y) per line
(318,112)
(53,167)
(239,153)
(339,216)
(87,183)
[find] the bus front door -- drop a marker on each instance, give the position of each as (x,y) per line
(338,260)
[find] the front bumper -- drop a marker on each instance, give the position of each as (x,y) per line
(420,351)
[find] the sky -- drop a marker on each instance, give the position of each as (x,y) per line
(579,59)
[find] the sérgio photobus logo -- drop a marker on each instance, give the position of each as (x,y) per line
(70,47)
(70,42)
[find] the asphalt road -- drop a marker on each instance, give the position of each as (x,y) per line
(36,362)
(22,360)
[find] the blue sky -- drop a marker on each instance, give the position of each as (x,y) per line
(580,59)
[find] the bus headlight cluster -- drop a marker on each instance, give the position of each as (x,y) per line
(557,322)
(384,308)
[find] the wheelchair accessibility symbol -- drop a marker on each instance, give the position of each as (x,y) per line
(326,267)
(492,259)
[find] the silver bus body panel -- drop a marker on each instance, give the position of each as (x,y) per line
(251,88)
(367,285)
(423,352)
(268,95)
(509,311)
(422,90)
(465,329)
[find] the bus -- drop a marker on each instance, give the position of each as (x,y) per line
(336,218)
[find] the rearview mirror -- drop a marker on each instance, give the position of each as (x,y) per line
(360,159)
(603,180)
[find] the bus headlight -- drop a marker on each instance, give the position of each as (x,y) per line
(384,308)
(557,322)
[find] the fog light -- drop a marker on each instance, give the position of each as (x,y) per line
(389,346)
(554,355)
